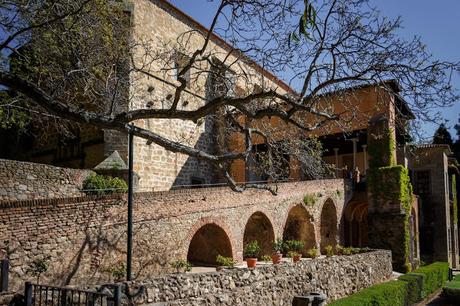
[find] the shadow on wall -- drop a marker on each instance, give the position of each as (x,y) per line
(328,227)
(259,228)
(195,173)
(299,226)
(207,243)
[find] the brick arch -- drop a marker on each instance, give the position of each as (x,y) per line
(259,227)
(217,224)
(328,224)
(299,225)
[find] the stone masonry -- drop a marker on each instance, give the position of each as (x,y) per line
(336,277)
(24,181)
(84,238)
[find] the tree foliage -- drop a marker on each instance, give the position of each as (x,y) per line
(442,136)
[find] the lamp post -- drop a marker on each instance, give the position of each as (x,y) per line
(129,251)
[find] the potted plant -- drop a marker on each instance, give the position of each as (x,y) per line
(224,262)
(294,256)
(278,246)
(295,247)
(251,251)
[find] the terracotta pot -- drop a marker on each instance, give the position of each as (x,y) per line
(251,262)
(296,258)
(276,258)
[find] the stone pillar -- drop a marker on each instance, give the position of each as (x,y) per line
(336,153)
(355,149)
(365,157)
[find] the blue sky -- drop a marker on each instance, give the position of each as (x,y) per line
(437,22)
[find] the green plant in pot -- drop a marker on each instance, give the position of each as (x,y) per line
(278,247)
(224,262)
(295,256)
(251,251)
(295,247)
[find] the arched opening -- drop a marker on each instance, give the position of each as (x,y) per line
(259,228)
(208,242)
(356,224)
(328,226)
(299,226)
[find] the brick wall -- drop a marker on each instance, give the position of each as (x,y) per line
(24,180)
(84,237)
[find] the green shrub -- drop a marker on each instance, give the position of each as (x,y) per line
(313,253)
(392,293)
(292,254)
(294,245)
(266,258)
(225,261)
(434,277)
(425,280)
(101,185)
(415,286)
(278,245)
(252,249)
(181,265)
(329,250)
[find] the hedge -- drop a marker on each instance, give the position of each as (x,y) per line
(407,290)
(392,293)
(452,290)
(433,277)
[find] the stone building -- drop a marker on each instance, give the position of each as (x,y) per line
(373,143)
(156,24)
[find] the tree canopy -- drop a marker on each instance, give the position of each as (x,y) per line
(442,136)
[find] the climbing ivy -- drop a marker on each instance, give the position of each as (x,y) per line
(391,186)
(381,148)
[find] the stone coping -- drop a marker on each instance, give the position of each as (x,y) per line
(5,204)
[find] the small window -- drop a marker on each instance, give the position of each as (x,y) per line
(180,61)
(197,182)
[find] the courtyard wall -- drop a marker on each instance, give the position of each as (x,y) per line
(84,238)
(336,277)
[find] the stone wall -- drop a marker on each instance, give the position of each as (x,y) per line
(336,277)
(84,238)
(24,181)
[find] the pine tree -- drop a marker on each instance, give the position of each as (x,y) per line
(442,136)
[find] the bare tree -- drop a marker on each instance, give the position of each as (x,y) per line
(81,62)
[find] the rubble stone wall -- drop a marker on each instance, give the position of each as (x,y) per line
(336,277)
(24,181)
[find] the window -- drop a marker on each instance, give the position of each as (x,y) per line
(180,61)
